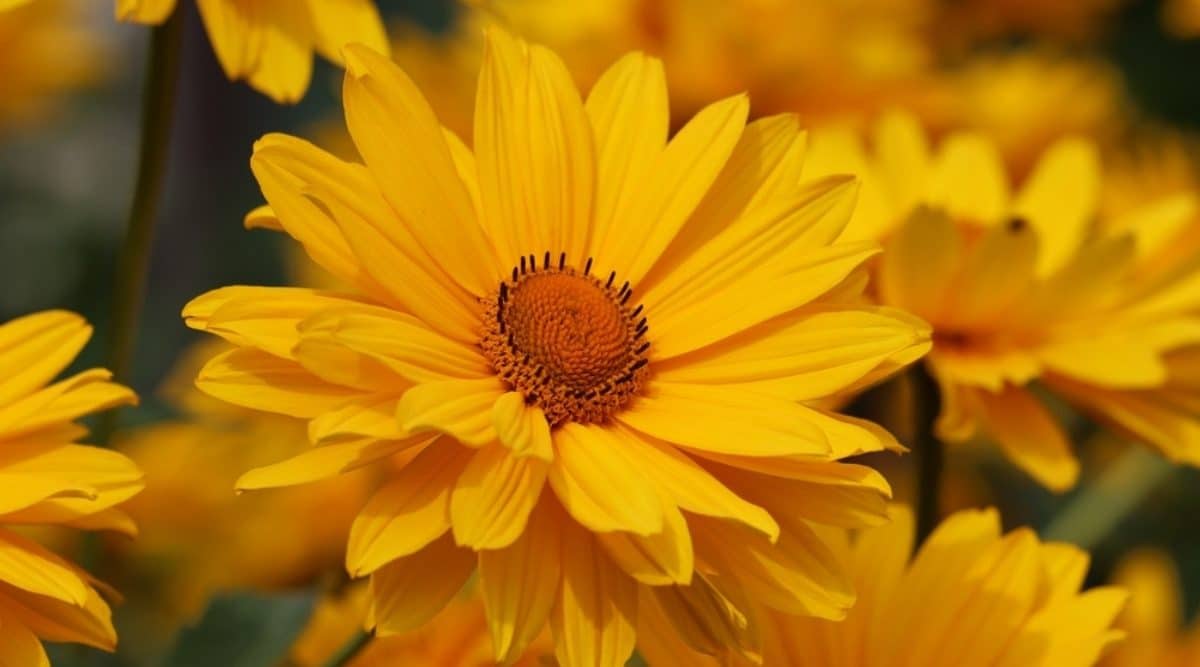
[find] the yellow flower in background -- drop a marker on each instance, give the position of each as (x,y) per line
(456,637)
(820,58)
(596,344)
(46,49)
(962,24)
(1153,618)
(969,597)
(1020,285)
(270,43)
(1182,17)
(1027,100)
(199,538)
(49,480)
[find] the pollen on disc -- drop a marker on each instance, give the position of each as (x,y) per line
(567,341)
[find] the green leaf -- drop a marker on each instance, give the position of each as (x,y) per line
(242,630)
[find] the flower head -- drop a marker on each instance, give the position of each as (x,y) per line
(970,597)
(596,344)
(270,44)
(1029,287)
(50,480)
(48,50)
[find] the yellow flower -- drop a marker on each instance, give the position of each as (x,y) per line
(456,637)
(1153,619)
(270,43)
(1027,100)
(197,536)
(820,58)
(970,597)
(48,50)
(49,480)
(598,344)
(1023,287)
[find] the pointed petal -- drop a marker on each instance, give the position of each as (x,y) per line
(522,427)
(494,495)
(595,619)
(519,583)
(598,486)
(409,591)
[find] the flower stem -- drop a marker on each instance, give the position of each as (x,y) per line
(927,451)
(1100,506)
(349,650)
(158,111)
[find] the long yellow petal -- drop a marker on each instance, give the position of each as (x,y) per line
(36,348)
(336,24)
(968,180)
(493,497)
(261,381)
(595,619)
(1030,436)
(598,486)
(533,149)
(521,427)
(409,591)
(409,512)
(663,559)
(461,408)
(1059,200)
(325,461)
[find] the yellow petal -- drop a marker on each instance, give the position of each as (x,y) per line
(595,619)
(409,512)
(691,487)
(1059,200)
(662,559)
(1113,361)
(1030,436)
(399,341)
(36,348)
(704,618)
(1075,633)
(806,356)
(369,416)
(519,584)
(921,262)
(258,380)
(902,156)
(598,486)
(263,217)
(355,234)
(235,32)
(89,622)
(674,185)
(796,575)
(493,497)
(1155,608)
(998,276)
(407,592)
(836,494)
(629,114)
(30,567)
(19,646)
(336,24)
(398,135)
(23,490)
(968,180)
(792,281)
(710,418)
(150,12)
(461,408)
(804,220)
(261,317)
(64,401)
(325,461)
(533,149)
(283,51)
(521,427)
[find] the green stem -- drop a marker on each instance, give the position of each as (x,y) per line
(349,650)
(1100,507)
(158,111)
(928,455)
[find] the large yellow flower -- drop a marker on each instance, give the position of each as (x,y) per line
(598,342)
(49,480)
(1027,287)
(47,50)
(970,597)
(1153,619)
(456,637)
(270,43)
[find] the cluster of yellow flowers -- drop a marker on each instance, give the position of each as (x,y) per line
(571,386)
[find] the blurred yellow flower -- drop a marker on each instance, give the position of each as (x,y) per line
(1027,100)
(1153,619)
(970,597)
(493,331)
(456,637)
(1182,17)
(199,538)
(270,43)
(49,480)
(821,58)
(48,49)
(1023,287)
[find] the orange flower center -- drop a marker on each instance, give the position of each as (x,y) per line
(569,342)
